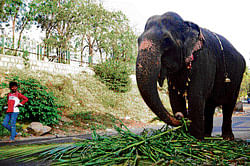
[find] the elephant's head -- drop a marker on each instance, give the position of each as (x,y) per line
(166,46)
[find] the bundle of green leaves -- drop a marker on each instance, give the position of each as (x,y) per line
(42,105)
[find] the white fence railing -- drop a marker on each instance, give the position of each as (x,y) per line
(37,51)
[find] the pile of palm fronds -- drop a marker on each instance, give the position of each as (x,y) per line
(165,146)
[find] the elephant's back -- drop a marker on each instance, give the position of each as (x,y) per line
(228,62)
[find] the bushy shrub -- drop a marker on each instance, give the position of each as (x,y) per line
(42,105)
(115,74)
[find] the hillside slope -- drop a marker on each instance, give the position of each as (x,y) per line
(87,101)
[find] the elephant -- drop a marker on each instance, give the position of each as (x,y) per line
(202,68)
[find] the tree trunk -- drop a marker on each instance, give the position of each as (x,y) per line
(13,31)
(90,48)
(20,35)
(100,51)
(82,49)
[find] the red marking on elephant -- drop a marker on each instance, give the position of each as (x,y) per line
(201,37)
(139,65)
(198,45)
(174,121)
(146,44)
(189,58)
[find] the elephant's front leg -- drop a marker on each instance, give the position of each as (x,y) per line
(177,102)
(196,108)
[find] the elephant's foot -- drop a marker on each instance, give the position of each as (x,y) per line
(229,137)
(207,135)
(198,135)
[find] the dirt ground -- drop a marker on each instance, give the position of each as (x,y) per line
(61,131)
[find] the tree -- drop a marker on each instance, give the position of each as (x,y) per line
(26,19)
(21,15)
(245,85)
(58,19)
(2,12)
(11,9)
(90,16)
(122,38)
(105,32)
(84,24)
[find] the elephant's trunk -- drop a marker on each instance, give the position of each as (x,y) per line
(148,67)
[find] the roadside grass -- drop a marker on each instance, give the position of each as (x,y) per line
(95,120)
(87,101)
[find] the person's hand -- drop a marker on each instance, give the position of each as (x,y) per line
(5,107)
(19,105)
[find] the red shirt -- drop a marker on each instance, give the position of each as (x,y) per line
(14,99)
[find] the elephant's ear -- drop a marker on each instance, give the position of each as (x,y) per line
(194,41)
(195,29)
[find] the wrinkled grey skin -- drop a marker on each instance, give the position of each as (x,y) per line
(165,51)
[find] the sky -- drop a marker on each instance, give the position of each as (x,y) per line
(229,18)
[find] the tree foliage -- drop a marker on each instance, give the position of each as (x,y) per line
(20,15)
(12,11)
(57,19)
(9,9)
(245,85)
(86,26)
(83,25)
(105,32)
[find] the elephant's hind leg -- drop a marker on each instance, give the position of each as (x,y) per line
(227,121)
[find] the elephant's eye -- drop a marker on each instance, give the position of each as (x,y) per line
(149,25)
(167,42)
(164,22)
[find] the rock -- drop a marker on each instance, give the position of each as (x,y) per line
(109,130)
(37,128)
(46,129)
(65,119)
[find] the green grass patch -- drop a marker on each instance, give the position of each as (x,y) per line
(93,120)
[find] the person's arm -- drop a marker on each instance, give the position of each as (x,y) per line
(10,104)
(23,98)
(7,104)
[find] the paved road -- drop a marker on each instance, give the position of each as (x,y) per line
(240,124)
